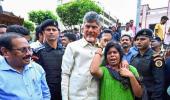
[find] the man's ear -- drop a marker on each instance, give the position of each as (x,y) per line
(5,52)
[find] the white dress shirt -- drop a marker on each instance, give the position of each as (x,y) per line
(77,82)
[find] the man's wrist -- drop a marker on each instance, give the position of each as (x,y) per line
(98,53)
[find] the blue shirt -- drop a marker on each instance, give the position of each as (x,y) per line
(132,51)
(27,85)
(128,56)
(116,36)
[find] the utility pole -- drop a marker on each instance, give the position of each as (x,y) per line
(168,10)
(168,15)
(138,13)
(1,10)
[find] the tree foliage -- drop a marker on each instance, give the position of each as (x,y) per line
(40,15)
(29,25)
(72,13)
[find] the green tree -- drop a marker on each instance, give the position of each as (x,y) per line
(40,15)
(72,13)
(29,25)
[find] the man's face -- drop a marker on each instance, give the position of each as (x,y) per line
(21,52)
(127,25)
(113,28)
(106,37)
(2,30)
(142,42)
(51,33)
(91,31)
(156,46)
(65,41)
(41,38)
(164,21)
(131,22)
(125,42)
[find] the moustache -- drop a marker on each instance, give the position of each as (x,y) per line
(26,57)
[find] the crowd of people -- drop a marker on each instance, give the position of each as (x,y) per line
(95,64)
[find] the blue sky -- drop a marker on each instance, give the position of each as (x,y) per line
(122,9)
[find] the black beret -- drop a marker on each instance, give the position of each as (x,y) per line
(144,32)
(49,22)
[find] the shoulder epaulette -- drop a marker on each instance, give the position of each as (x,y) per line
(158,60)
(38,49)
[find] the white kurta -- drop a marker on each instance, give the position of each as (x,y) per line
(77,82)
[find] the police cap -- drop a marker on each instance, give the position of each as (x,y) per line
(145,32)
(48,22)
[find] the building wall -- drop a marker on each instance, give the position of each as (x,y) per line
(149,17)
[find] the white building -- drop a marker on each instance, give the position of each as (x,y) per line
(150,17)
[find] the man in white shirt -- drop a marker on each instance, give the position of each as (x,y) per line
(77,82)
(128,31)
(39,38)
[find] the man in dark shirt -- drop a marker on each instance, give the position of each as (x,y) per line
(149,65)
(50,57)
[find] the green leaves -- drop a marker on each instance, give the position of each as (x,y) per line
(72,13)
(29,25)
(39,16)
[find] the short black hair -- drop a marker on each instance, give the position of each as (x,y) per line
(70,36)
(6,40)
(18,29)
(3,26)
(164,17)
(38,31)
(127,23)
(130,38)
(106,31)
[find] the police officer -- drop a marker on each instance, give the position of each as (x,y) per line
(50,57)
(149,64)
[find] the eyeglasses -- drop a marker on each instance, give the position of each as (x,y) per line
(24,49)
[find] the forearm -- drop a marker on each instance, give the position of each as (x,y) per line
(94,67)
(136,87)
